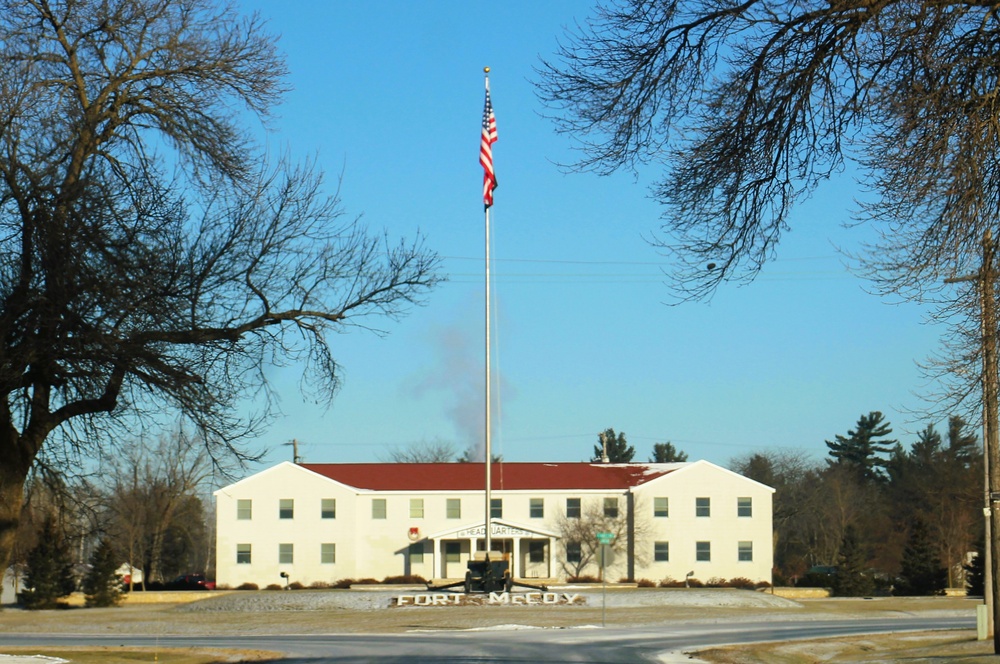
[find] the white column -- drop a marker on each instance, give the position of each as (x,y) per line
(435,558)
(551,556)
(515,557)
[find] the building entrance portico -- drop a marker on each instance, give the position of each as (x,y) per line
(530,550)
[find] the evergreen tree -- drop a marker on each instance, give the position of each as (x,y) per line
(102,585)
(850,580)
(927,450)
(667,453)
(859,448)
(962,445)
(618,449)
(921,571)
(50,570)
(975,572)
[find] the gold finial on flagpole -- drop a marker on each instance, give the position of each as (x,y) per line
(486,70)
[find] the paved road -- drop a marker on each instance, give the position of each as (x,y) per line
(542,645)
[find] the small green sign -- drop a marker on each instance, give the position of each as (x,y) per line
(605,538)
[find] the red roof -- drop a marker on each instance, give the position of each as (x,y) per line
(505,476)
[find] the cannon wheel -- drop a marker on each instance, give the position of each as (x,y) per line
(508,582)
(468,582)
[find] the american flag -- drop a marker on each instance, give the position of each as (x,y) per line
(489,137)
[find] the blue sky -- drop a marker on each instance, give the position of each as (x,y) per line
(389,95)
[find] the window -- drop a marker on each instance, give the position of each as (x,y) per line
(453,508)
(703,507)
(416,508)
(611,508)
(452,552)
(572,508)
(242,554)
(286,554)
(661,552)
(536,508)
(496,508)
(417,552)
(244,509)
(378,508)
(745,553)
(536,552)
(744,507)
(703,552)
(661,506)
(328,553)
(573,552)
(286,508)
(328,508)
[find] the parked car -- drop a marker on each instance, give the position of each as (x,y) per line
(191,582)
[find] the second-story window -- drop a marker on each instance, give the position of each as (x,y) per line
(572,508)
(703,507)
(611,508)
(536,508)
(286,508)
(416,508)
(328,508)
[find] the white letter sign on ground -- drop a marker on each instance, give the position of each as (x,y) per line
(492,599)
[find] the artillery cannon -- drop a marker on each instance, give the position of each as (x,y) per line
(484,575)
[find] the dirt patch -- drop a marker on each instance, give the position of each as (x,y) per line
(952,647)
(110,655)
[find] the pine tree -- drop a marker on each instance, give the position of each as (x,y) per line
(102,585)
(921,571)
(975,572)
(50,570)
(667,453)
(618,449)
(850,580)
(963,446)
(859,448)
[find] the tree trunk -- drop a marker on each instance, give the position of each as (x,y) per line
(12,480)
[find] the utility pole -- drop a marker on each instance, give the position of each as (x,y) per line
(295,450)
(991,431)
(986,279)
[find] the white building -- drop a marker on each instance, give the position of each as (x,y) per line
(326,522)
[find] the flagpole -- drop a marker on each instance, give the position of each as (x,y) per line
(487,446)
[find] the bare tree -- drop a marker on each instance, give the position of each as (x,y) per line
(149,491)
(582,532)
(750,105)
(150,260)
(426,451)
